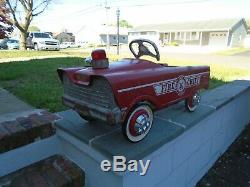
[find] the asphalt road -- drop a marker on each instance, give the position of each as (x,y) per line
(244,54)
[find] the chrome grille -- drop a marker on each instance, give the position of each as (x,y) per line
(50,43)
(99,92)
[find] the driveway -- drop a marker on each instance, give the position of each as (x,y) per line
(246,54)
(242,61)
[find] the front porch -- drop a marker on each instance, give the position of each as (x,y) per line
(200,38)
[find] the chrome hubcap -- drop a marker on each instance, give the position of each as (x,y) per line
(142,124)
(196,99)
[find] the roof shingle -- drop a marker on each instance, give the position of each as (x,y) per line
(206,25)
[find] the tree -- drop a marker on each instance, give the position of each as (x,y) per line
(6,26)
(124,23)
(26,10)
(34,29)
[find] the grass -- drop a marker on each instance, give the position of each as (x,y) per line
(223,72)
(31,53)
(233,51)
(36,81)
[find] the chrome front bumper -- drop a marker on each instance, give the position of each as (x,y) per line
(110,116)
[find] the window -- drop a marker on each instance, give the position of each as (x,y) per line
(177,36)
(41,35)
(188,35)
(195,36)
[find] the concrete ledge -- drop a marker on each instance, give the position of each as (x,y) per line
(182,146)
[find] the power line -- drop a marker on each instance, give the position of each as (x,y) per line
(162,3)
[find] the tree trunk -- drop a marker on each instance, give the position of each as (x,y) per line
(23,40)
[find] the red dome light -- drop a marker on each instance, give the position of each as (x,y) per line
(98,54)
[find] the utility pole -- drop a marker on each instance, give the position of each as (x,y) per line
(118,34)
(107,26)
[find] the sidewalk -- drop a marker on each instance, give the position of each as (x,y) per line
(10,104)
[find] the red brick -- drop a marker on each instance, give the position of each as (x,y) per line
(25,122)
(56,178)
(50,116)
(3,132)
(13,126)
(34,178)
(70,170)
(44,173)
(38,120)
(19,182)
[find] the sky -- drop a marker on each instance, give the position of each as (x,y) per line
(75,14)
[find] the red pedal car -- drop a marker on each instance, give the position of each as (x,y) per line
(128,91)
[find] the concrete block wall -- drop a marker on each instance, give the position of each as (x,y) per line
(182,146)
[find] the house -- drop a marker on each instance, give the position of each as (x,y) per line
(97,35)
(65,37)
(248,26)
(220,32)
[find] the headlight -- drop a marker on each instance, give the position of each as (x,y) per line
(42,42)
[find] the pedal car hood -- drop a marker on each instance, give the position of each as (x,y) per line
(126,73)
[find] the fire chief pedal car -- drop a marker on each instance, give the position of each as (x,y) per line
(128,91)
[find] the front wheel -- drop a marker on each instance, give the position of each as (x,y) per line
(87,118)
(192,102)
(36,47)
(138,123)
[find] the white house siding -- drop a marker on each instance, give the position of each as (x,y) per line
(123,39)
(247,41)
(237,35)
(150,35)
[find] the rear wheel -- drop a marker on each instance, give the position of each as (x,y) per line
(36,47)
(138,123)
(192,102)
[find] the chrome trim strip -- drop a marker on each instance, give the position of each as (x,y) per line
(151,84)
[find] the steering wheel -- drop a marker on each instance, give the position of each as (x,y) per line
(143,49)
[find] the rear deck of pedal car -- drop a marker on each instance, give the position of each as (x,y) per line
(95,100)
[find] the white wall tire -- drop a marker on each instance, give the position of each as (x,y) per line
(138,123)
(192,102)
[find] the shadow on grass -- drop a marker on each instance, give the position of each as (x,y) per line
(214,82)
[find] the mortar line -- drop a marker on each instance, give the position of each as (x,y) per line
(211,106)
(175,123)
(99,136)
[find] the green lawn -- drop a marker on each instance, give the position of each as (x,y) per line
(31,53)
(233,51)
(37,83)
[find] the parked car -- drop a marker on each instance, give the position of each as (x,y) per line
(82,44)
(42,41)
(65,45)
(9,44)
(128,91)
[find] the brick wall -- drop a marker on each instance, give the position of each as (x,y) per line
(55,171)
(25,130)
